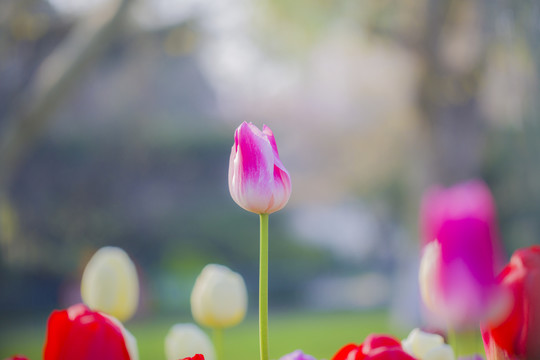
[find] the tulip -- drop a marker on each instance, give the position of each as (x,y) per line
(184,340)
(297,355)
(258,181)
(82,334)
(374,347)
(517,336)
(427,346)
(110,284)
(219,297)
(17,357)
(196,357)
(462,253)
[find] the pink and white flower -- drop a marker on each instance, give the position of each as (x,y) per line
(461,254)
(258,181)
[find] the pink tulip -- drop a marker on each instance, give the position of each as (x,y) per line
(462,254)
(258,181)
(518,335)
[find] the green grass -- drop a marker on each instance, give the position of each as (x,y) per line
(319,334)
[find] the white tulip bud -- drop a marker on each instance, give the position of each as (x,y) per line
(186,340)
(219,297)
(441,352)
(426,346)
(110,284)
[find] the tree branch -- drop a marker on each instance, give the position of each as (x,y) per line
(56,78)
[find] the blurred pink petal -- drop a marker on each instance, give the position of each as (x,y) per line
(461,220)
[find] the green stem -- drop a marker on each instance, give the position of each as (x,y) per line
(452,339)
(263,289)
(218,342)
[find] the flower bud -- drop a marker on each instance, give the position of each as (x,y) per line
(219,297)
(110,284)
(258,181)
(426,346)
(184,340)
(462,221)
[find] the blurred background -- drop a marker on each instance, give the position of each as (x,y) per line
(117,118)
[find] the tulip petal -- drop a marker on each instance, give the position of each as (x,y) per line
(461,219)
(79,333)
(375,341)
(517,335)
(394,353)
(344,352)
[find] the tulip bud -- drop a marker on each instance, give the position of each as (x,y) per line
(110,284)
(219,297)
(184,340)
(82,334)
(258,181)
(461,268)
(427,346)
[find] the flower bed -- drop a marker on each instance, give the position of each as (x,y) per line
(460,278)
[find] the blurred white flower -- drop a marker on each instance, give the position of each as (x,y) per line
(110,283)
(427,346)
(186,340)
(219,297)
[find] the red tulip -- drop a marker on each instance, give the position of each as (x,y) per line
(17,357)
(459,229)
(196,357)
(518,335)
(258,181)
(82,334)
(374,347)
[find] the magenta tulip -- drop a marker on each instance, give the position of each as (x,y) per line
(462,253)
(258,181)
